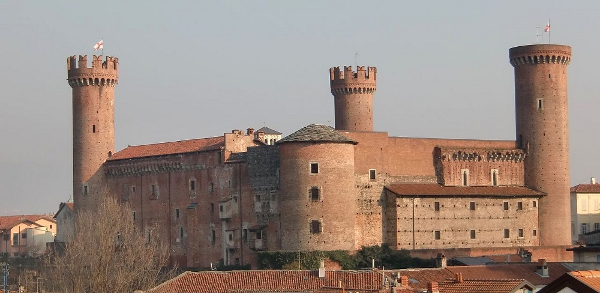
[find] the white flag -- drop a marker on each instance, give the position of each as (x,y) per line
(99,45)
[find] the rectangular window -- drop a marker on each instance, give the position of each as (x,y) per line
(314,168)
(180,232)
(540,104)
(315,193)
(534,232)
(584,228)
(211,187)
(213,236)
(245,235)
(220,208)
(153,189)
(472,205)
(437,235)
(520,233)
(85,189)
(596,204)
(259,234)
(212,207)
(133,215)
(506,233)
(6,237)
(219,158)
(519,206)
(177,215)
(436,206)
(465,177)
(494,177)
(192,185)
(315,227)
(372,174)
(505,205)
(596,226)
(132,189)
(534,204)
(15,239)
(24,235)
(472,234)
(584,204)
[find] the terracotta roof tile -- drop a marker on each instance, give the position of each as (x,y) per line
(525,271)
(590,278)
(169,148)
(7,222)
(440,190)
(586,188)
(482,285)
(316,132)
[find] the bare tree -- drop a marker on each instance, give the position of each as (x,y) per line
(106,254)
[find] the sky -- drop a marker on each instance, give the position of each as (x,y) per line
(191,69)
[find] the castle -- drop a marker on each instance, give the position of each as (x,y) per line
(322,188)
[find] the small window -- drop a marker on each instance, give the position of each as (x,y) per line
(472,205)
(472,234)
(132,189)
(534,233)
(6,237)
(85,190)
(181,232)
(584,228)
(372,174)
(212,207)
(177,215)
(540,104)
(436,206)
(230,236)
(519,206)
(245,235)
(506,233)
(153,189)
(51,227)
(584,205)
(520,233)
(596,226)
(315,193)
(259,234)
(437,235)
(465,177)
(505,205)
(219,158)
(494,177)
(213,236)
(15,239)
(94,128)
(314,168)
(220,208)
(192,185)
(211,187)
(24,236)
(315,227)
(534,204)
(133,215)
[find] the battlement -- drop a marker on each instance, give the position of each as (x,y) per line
(346,81)
(101,73)
(540,54)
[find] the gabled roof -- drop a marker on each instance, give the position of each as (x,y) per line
(267,130)
(586,188)
(268,281)
(316,133)
(440,190)
(488,286)
(7,222)
(64,206)
(526,270)
(169,148)
(578,281)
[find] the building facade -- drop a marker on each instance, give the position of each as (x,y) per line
(323,188)
(585,210)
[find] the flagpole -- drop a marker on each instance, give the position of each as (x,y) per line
(102,47)
(549,29)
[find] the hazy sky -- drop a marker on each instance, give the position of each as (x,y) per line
(191,69)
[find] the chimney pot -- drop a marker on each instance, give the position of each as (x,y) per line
(593,180)
(432,287)
(404,281)
(250,131)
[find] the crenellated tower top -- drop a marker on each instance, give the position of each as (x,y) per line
(540,54)
(102,73)
(363,81)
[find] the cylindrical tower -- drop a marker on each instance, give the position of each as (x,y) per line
(93,124)
(353,97)
(543,132)
(318,199)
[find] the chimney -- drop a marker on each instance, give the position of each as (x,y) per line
(593,180)
(542,268)
(432,287)
(260,136)
(440,261)
(322,269)
(403,281)
(236,131)
(459,278)
(250,131)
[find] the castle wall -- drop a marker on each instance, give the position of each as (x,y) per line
(327,221)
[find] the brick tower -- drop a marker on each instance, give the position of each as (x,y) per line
(353,97)
(93,124)
(543,132)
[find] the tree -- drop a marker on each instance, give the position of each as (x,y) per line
(106,254)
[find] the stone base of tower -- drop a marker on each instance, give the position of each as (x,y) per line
(549,253)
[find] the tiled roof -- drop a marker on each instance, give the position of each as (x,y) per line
(316,132)
(525,271)
(440,190)
(7,222)
(487,286)
(267,130)
(269,281)
(586,188)
(590,278)
(169,148)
